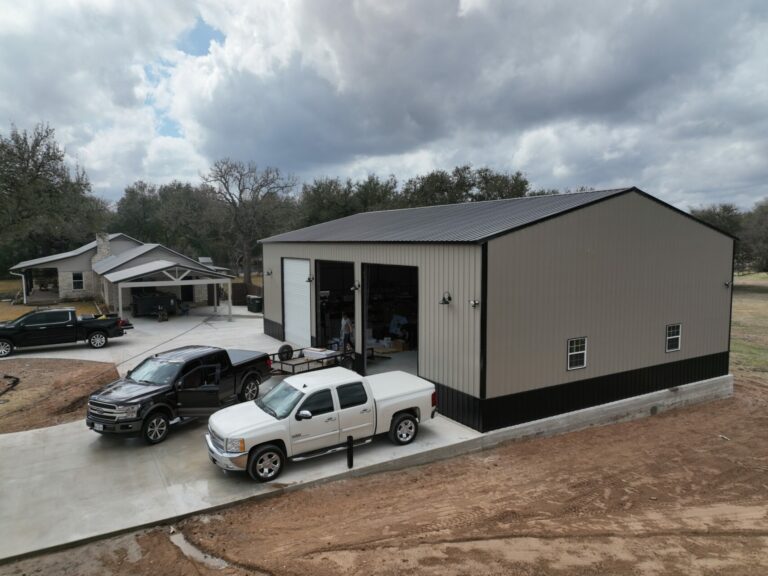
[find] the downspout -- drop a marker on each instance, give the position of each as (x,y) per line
(23,283)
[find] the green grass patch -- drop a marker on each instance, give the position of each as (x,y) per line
(749,356)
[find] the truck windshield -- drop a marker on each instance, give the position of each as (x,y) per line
(155,372)
(280,401)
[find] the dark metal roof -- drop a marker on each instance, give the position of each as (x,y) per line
(469,222)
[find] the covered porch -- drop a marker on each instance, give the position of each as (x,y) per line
(161,274)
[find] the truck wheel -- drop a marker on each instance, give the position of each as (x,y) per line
(266,463)
(97,340)
(155,428)
(250,389)
(404,429)
(6,348)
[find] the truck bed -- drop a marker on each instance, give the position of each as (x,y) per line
(396,384)
(237,357)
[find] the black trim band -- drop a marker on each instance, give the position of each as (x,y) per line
(493,413)
(274,329)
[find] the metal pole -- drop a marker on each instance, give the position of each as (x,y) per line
(350,458)
(229,296)
(215,297)
(119,301)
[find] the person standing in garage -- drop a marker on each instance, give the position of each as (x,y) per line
(346,332)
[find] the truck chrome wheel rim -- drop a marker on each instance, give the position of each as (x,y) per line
(251,389)
(157,428)
(405,430)
(5,349)
(98,340)
(268,465)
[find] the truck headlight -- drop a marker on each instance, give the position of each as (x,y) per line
(235,445)
(127,412)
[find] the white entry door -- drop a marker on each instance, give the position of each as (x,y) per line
(296,302)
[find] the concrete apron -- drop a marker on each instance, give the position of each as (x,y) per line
(43,509)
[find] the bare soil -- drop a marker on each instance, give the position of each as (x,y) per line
(48,392)
(684,492)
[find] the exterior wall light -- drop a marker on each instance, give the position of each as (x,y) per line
(311,279)
(446,299)
(355,287)
(474,303)
(268,272)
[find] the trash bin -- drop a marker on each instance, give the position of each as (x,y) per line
(255,303)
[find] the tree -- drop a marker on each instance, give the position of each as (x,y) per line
(44,206)
(728,218)
(492,185)
(137,213)
(246,192)
(326,199)
(375,194)
(755,236)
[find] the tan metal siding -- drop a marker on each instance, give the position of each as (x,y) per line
(617,272)
(449,336)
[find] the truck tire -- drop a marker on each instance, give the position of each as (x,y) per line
(97,339)
(155,428)
(404,429)
(6,347)
(265,463)
(285,352)
(250,388)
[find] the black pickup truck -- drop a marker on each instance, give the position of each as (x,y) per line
(173,386)
(58,326)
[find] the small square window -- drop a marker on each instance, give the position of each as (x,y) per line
(77,280)
(577,353)
(674,337)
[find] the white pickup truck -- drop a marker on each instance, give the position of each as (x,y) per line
(312,414)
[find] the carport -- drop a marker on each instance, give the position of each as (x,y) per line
(164,273)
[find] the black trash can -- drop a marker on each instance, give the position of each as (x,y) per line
(255,303)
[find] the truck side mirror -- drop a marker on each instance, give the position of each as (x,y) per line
(128,374)
(304,415)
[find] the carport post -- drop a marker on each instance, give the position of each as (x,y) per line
(229,299)
(119,301)
(215,296)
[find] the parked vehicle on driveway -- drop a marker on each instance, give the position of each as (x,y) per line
(314,413)
(179,384)
(59,326)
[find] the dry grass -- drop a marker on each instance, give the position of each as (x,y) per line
(10,287)
(9,311)
(256,280)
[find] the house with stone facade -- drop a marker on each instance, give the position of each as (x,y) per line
(111,267)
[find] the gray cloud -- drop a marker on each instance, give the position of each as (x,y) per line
(668,96)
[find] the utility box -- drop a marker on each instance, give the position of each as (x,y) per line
(254,303)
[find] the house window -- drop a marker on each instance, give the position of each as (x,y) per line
(674,334)
(577,353)
(77,280)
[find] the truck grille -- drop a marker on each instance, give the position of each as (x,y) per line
(217,442)
(102,411)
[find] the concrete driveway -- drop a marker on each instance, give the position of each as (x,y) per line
(150,336)
(66,483)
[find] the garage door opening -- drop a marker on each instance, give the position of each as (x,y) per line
(335,300)
(391,309)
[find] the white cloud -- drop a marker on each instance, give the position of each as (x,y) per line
(667,96)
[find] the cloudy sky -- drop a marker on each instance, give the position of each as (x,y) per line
(667,95)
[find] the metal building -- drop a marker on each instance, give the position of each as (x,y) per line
(516,309)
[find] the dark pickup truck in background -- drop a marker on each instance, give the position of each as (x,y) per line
(58,326)
(178,384)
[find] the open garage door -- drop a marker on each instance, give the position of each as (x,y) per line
(296,311)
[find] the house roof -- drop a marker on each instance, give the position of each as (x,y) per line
(469,222)
(37,262)
(117,260)
(154,267)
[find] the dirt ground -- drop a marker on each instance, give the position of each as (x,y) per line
(683,492)
(49,392)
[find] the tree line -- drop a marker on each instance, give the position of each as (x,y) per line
(46,207)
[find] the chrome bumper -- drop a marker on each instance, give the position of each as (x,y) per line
(226,460)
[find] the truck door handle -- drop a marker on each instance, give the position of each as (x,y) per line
(365,411)
(330,419)
(69,326)
(42,327)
